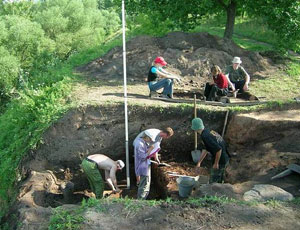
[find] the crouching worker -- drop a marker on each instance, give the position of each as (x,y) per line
(91,166)
(159,78)
(214,144)
(218,87)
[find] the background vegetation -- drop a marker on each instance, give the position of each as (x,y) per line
(42,41)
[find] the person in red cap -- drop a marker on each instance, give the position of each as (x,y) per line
(156,71)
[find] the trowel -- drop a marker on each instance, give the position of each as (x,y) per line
(195,153)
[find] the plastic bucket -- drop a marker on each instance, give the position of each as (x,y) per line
(185,185)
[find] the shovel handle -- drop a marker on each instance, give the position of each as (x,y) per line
(195,115)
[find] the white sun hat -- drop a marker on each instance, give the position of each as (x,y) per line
(121,163)
(237,60)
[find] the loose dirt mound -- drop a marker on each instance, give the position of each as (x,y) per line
(189,55)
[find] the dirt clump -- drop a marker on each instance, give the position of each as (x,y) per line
(190,55)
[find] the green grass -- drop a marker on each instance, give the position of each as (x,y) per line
(29,115)
(65,220)
(279,87)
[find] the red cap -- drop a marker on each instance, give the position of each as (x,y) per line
(160,60)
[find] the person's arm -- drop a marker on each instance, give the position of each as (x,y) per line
(202,157)
(229,82)
(217,159)
(112,181)
(164,74)
(151,147)
(141,151)
(156,158)
(222,80)
(247,79)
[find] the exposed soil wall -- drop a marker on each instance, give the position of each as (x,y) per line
(262,142)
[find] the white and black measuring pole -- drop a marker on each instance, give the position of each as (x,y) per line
(125,94)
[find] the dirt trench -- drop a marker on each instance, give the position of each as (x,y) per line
(263,144)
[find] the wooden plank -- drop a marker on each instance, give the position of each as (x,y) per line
(213,103)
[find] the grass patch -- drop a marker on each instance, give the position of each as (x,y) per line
(29,115)
(281,87)
(65,220)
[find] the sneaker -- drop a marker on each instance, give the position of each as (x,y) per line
(164,96)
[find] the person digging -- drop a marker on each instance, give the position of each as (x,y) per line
(214,144)
(91,166)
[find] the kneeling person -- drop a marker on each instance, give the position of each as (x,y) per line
(91,166)
(214,144)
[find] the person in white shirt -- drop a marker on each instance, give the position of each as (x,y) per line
(156,136)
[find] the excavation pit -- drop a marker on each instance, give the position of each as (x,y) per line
(260,148)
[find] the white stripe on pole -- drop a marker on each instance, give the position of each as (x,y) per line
(125,95)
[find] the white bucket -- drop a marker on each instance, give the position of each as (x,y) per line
(185,185)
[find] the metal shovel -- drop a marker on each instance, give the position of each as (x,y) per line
(195,153)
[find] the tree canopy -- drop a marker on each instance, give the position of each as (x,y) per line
(37,34)
(282,16)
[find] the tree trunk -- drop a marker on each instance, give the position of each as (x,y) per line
(231,12)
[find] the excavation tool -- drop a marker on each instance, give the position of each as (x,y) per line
(160,164)
(195,153)
(178,175)
(290,168)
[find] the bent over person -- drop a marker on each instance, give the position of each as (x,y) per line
(214,144)
(156,136)
(91,166)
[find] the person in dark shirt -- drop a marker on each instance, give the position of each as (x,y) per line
(218,87)
(156,71)
(214,144)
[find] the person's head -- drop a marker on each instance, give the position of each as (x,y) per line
(215,70)
(167,132)
(148,137)
(236,62)
(120,164)
(197,124)
(160,61)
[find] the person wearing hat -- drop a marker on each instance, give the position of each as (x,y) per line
(214,144)
(166,83)
(237,76)
(91,166)
(156,136)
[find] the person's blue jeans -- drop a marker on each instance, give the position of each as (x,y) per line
(166,84)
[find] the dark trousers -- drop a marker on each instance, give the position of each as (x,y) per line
(217,175)
(212,92)
(239,85)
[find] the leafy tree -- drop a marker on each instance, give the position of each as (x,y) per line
(75,24)
(25,39)
(9,72)
(187,14)
(282,16)
(17,7)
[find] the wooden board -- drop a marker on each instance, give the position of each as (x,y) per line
(233,102)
